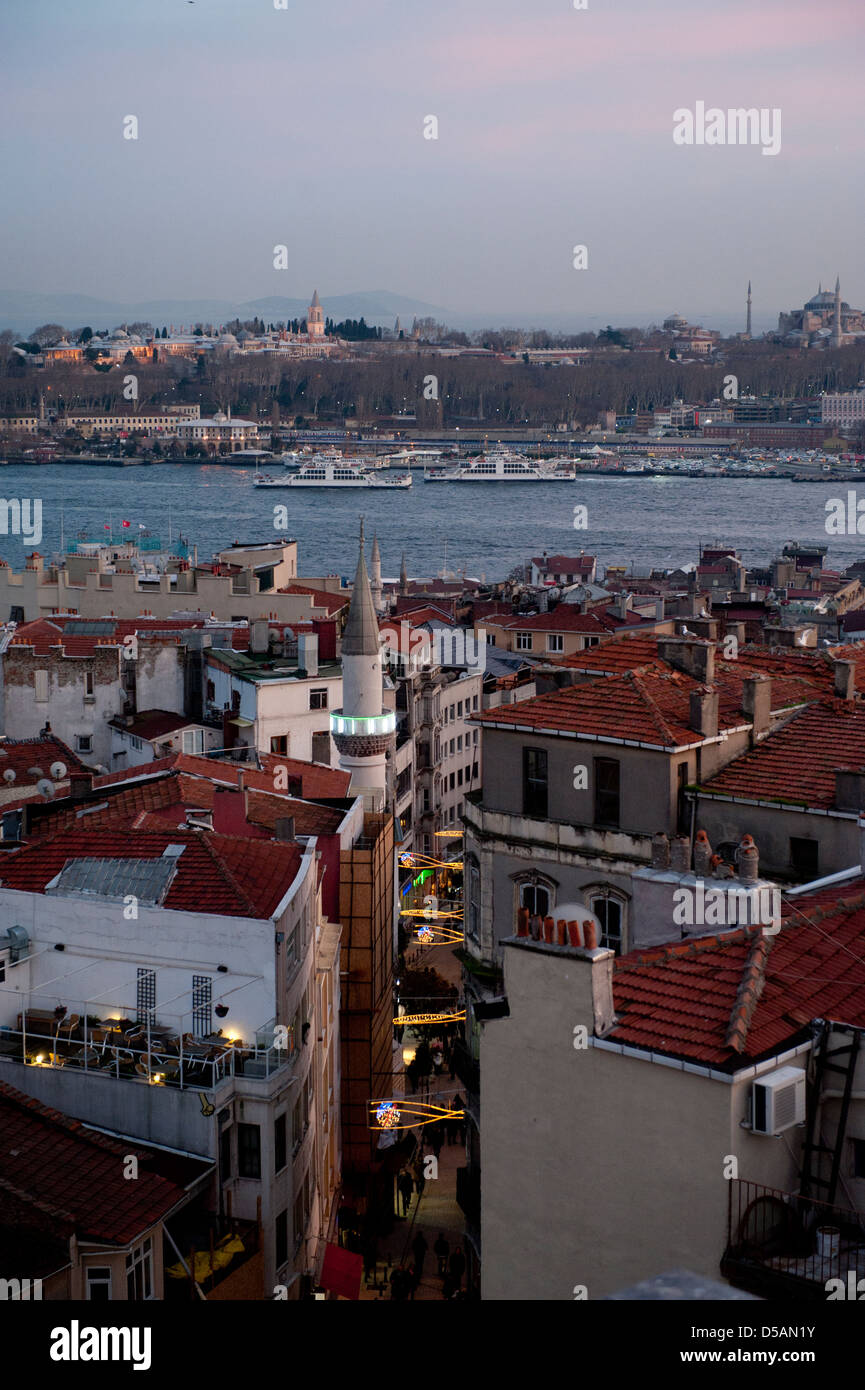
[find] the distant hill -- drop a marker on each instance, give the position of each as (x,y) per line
(24,310)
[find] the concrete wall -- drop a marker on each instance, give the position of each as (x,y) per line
(772,828)
(599,1169)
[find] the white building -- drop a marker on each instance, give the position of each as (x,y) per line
(843,409)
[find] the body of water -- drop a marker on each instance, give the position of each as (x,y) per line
(484,528)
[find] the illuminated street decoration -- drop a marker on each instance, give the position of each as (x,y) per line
(447,834)
(431,916)
(426,935)
(387,1115)
(441,936)
(415,1113)
(412,1020)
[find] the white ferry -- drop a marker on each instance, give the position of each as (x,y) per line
(330,475)
(498,467)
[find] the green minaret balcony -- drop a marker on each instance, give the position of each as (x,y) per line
(362,726)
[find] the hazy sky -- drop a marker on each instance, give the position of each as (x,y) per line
(304,126)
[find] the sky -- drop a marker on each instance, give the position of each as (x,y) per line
(304,126)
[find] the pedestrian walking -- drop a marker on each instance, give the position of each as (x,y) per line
(419,1249)
(441,1250)
(456,1267)
(406,1187)
(420,1179)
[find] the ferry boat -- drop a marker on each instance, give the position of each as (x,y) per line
(499,467)
(331,475)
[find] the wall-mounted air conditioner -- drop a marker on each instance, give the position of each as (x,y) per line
(778,1101)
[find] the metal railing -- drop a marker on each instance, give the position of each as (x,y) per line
(154,1056)
(779,1241)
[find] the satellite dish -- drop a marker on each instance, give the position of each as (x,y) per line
(45,787)
(9,775)
(35,772)
(58,771)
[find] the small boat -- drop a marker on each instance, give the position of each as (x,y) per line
(497,467)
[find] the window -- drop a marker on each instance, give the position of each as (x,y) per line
(460,709)
(210,692)
(451,782)
(281,1239)
(279,744)
(137,743)
(145,994)
(298,1219)
(40,681)
(858,1158)
(292,952)
(555,642)
(280,1142)
(202,989)
(460,744)
(321,747)
(139,1272)
(84,743)
(459,777)
(98,1284)
(524,642)
(318,698)
(805,857)
(606,791)
(683,809)
(474,707)
(475,735)
(225,1154)
(534,782)
(473,924)
(88,685)
(535,897)
(249,1151)
(609,913)
(193,740)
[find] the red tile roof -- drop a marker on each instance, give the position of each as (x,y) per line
(155,723)
(649,707)
(564,564)
(20,755)
(565,618)
(232,876)
(74,1176)
(797,763)
(322,598)
(728,1000)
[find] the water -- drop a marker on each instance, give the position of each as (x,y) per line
(486,528)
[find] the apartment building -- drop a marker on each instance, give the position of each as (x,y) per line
(178,983)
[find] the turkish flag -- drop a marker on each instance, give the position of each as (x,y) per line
(341,1272)
(126,523)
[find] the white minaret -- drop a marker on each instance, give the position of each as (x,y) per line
(363,730)
(748,321)
(375,577)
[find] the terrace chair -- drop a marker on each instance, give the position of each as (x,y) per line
(68,1025)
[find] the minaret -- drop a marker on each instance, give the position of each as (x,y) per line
(363,730)
(375,581)
(836,317)
(403,577)
(748,321)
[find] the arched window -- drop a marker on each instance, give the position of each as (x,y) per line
(610,909)
(473,898)
(535,891)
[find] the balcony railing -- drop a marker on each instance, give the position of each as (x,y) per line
(781,1245)
(129,1051)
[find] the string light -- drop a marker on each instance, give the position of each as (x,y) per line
(389,1116)
(412,1020)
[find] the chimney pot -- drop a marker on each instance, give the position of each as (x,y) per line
(590,934)
(660,851)
(702,854)
(522,921)
(748,860)
(680,854)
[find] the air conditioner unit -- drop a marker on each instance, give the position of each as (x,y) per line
(778,1101)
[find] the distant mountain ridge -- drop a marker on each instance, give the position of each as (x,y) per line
(24,310)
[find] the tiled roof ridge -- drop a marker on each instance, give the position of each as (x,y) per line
(67,1122)
(638,680)
(223,869)
(750,988)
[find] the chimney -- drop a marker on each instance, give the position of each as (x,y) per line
(702,854)
(845,679)
(258,635)
(680,854)
(737,630)
(660,851)
(622,604)
(283,829)
(692,655)
(748,860)
(704,712)
(80,785)
(307,652)
(659,610)
(757,702)
(603,1011)
(850,789)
